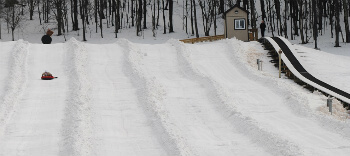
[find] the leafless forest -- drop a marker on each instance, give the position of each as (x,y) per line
(303,19)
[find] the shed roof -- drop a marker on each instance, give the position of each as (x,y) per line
(236,6)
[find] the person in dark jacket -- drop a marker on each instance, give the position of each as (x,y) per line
(46,39)
(262,28)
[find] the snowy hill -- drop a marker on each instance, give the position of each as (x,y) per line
(150,96)
(162,99)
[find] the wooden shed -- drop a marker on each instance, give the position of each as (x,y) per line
(236,23)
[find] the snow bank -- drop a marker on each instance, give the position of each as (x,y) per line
(16,82)
(76,128)
(245,54)
(300,100)
(152,93)
(272,143)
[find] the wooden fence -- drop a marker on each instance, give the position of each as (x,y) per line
(203,39)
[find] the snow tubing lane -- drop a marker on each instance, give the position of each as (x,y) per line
(296,64)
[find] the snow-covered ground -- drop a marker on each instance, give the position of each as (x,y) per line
(144,95)
(129,98)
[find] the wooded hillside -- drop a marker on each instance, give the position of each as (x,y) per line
(304,19)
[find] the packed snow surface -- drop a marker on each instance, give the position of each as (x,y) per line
(172,99)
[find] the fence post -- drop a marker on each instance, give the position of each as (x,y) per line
(279,62)
(329,104)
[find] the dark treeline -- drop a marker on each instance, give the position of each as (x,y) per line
(304,19)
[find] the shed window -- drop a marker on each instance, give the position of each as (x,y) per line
(240,24)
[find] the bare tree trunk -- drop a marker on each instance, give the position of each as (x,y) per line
(331,21)
(214,16)
(132,13)
(38,1)
(245,4)
(13,23)
(314,31)
(164,23)
(285,20)
(337,22)
(0,22)
(58,4)
(301,20)
(117,17)
(171,9)
(295,15)
(320,15)
(83,10)
(238,2)
(96,11)
(47,10)
(252,12)
(101,17)
(195,18)
(278,13)
(271,18)
(158,4)
(192,18)
(75,15)
(139,18)
(31,9)
(207,15)
(186,17)
(346,20)
(262,6)
(154,19)
(144,14)
(221,6)
(306,21)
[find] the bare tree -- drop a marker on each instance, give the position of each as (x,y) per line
(75,22)
(221,6)
(116,4)
(144,14)
(171,10)
(84,7)
(192,32)
(31,9)
(337,22)
(252,13)
(58,11)
(262,6)
(101,16)
(195,17)
(301,21)
(13,15)
(153,9)
(207,13)
(139,18)
(346,20)
(164,23)
(314,30)
(1,8)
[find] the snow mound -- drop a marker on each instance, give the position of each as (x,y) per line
(77,129)
(271,142)
(16,82)
(152,92)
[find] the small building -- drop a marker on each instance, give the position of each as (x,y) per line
(236,20)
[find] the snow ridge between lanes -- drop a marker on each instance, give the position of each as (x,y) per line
(152,93)
(271,142)
(77,124)
(16,83)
